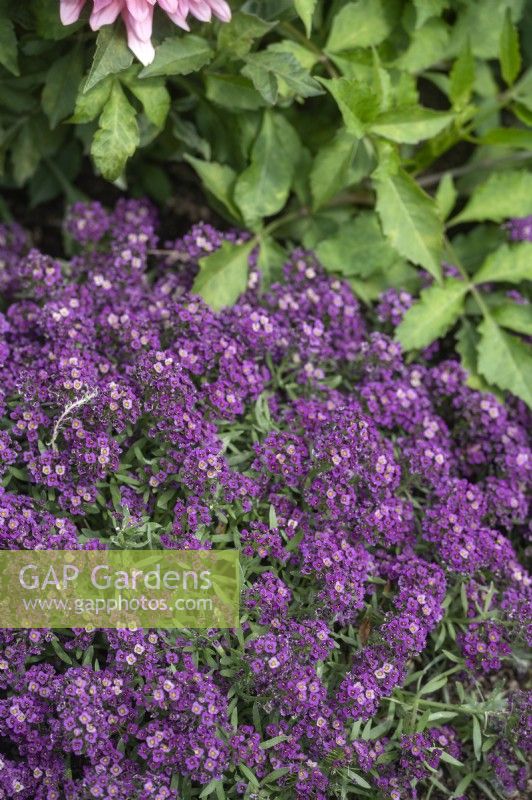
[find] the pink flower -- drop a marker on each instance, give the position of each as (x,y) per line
(138,17)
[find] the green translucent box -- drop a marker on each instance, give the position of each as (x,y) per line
(119,589)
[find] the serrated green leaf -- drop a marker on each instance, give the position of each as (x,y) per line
(179,55)
(111,56)
(364,23)
(510,263)
(357,101)
(516,316)
(8,45)
(61,86)
(462,78)
(410,220)
(501,196)
(425,9)
(446,196)
(433,315)
(218,179)
(411,124)
(359,248)
(330,170)
(275,75)
(236,37)
(428,45)
(505,360)
(509,52)
(263,188)
(90,104)
(117,137)
(223,275)
(305,10)
(153,96)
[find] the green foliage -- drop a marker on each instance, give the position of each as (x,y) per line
(381,133)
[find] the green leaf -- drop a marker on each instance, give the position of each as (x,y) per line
(505,360)
(357,101)
(154,97)
(425,9)
(446,196)
(448,759)
(223,275)
(25,153)
(359,248)
(511,263)
(277,74)
(270,261)
(218,179)
(110,57)
(410,220)
(501,196)
(117,137)
(263,188)
(232,92)
(179,55)
(516,316)
(433,315)
(236,37)
(364,23)
(466,345)
(462,78)
(509,52)
(8,45)
(305,10)
(428,45)
(61,86)
(411,124)
(520,138)
(330,170)
(89,104)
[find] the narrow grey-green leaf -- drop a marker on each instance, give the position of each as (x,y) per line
(477,739)
(330,170)
(8,45)
(117,136)
(223,275)
(433,315)
(61,86)
(111,56)
(179,55)
(263,188)
(505,360)
(410,220)
(516,316)
(361,24)
(359,248)
(501,196)
(510,262)
(411,124)
(509,52)
(305,10)
(218,179)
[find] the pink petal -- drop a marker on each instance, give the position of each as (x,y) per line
(201,10)
(139,36)
(105,12)
(70,10)
(221,10)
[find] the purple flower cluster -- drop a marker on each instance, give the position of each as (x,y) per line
(367,496)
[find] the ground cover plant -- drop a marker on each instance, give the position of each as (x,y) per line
(378,502)
(369,130)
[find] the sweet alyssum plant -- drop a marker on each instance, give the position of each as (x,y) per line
(387,135)
(378,503)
